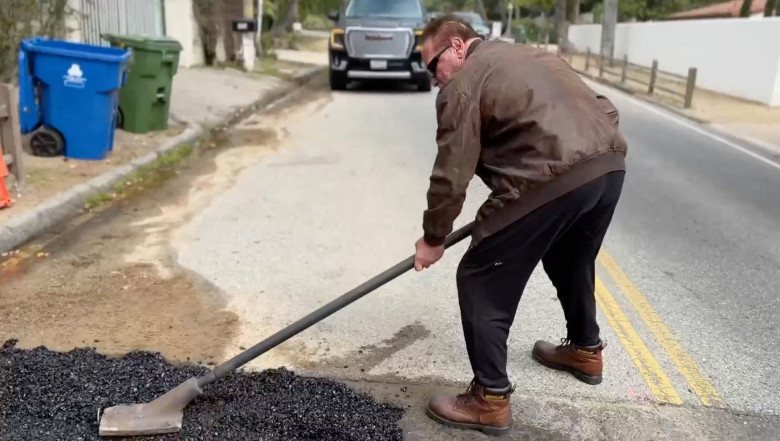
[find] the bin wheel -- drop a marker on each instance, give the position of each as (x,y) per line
(120,118)
(47,143)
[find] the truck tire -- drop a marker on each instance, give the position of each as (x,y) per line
(338,80)
(424,84)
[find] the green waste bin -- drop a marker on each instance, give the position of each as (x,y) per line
(145,99)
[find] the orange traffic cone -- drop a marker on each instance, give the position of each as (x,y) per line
(5,198)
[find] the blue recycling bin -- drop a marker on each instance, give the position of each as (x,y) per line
(68,96)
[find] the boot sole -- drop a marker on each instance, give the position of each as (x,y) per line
(488,430)
(589,379)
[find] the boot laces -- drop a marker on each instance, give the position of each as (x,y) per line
(565,342)
(464,397)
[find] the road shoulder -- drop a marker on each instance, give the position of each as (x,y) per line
(755,125)
(199,116)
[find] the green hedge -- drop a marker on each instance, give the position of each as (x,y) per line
(316,23)
(525,30)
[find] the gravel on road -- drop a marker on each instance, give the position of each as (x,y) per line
(46,395)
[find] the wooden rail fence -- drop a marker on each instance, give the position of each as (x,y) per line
(10,137)
(608,65)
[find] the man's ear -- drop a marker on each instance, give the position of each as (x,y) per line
(460,47)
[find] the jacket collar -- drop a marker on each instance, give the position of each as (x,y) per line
(473,47)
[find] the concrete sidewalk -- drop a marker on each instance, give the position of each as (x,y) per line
(202,98)
(206,96)
(305,57)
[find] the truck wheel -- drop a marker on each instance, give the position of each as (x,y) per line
(424,84)
(338,80)
(47,143)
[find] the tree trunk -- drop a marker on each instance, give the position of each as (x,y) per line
(608,24)
(746,5)
(502,10)
(509,20)
(292,14)
(480,6)
(279,19)
(574,11)
(230,10)
(207,15)
(560,25)
(769,8)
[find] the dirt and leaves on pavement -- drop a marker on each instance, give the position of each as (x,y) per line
(107,279)
(46,177)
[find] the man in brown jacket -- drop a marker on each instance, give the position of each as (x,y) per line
(550,150)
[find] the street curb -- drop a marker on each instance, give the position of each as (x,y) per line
(769,149)
(25,226)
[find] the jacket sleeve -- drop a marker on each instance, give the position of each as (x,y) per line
(609,109)
(458,140)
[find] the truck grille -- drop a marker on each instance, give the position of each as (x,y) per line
(379,43)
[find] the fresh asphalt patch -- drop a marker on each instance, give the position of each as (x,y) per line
(46,395)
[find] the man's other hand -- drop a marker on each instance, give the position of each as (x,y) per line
(426,255)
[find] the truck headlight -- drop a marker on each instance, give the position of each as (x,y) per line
(337,38)
(418,40)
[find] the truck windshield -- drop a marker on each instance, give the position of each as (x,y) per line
(384,8)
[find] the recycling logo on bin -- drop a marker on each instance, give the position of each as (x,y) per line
(75,77)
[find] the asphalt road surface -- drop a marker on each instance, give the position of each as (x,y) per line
(687,290)
(311,198)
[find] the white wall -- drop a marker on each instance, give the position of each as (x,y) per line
(73,21)
(180,24)
(739,57)
(776,96)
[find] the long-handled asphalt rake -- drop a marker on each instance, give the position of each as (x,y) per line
(165,414)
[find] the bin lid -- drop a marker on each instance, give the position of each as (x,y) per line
(146,42)
(75,50)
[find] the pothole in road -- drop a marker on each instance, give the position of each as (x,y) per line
(115,309)
(49,395)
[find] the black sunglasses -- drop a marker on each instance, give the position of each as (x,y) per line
(434,63)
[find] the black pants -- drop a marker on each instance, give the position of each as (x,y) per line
(565,235)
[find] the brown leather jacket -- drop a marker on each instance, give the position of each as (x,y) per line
(522,120)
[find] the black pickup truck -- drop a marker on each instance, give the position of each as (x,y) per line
(378,40)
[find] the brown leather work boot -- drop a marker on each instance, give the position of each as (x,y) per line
(478,408)
(584,362)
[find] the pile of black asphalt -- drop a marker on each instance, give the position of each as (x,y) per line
(46,395)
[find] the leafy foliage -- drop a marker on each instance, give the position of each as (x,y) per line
(316,22)
(20,19)
(641,10)
(644,10)
(319,7)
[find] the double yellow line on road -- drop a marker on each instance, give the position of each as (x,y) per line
(648,365)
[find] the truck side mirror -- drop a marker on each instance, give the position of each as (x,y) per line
(333,14)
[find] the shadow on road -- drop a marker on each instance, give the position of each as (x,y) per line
(379,86)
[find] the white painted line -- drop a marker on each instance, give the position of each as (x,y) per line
(684,123)
(772,149)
